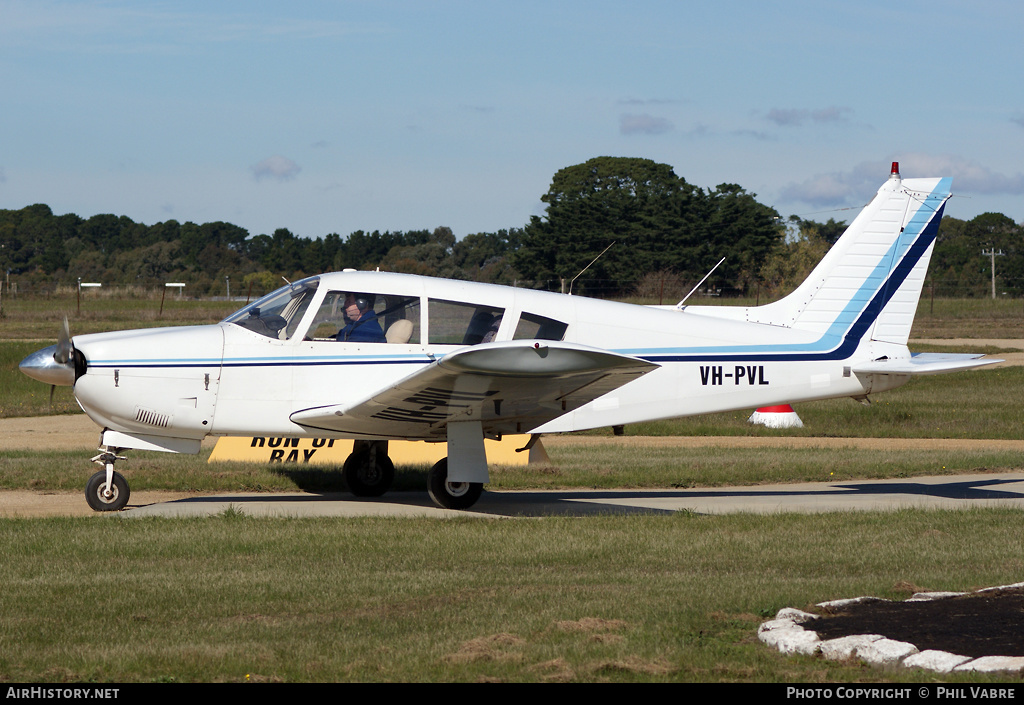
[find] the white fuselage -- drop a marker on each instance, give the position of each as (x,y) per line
(226,379)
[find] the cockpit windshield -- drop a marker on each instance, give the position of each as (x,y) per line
(277,314)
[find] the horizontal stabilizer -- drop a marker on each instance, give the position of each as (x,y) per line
(925,364)
(510,387)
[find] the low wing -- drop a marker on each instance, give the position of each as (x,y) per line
(510,387)
(924,364)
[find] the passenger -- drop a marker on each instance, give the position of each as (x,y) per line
(479,326)
(362,326)
(492,331)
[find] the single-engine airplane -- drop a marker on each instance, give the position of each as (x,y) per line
(376,356)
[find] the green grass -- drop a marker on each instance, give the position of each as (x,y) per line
(616,599)
(969,318)
(976,404)
(40,318)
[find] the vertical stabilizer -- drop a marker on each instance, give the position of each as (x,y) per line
(869,283)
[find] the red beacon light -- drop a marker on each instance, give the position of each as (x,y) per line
(895,169)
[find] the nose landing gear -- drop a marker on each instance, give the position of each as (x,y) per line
(107,491)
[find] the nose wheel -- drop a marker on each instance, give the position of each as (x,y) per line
(107,491)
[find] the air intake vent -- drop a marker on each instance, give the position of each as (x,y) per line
(152,418)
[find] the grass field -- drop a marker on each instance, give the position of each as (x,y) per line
(576,466)
(612,599)
(601,599)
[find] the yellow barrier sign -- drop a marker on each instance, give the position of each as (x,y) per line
(330,451)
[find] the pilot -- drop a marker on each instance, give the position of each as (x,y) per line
(362,325)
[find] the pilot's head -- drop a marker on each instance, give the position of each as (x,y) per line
(357,304)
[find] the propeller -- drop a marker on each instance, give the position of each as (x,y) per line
(54,365)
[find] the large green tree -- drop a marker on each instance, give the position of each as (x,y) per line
(959,267)
(656,220)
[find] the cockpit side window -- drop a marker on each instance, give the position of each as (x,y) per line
(277,315)
(534,327)
(458,323)
(366,317)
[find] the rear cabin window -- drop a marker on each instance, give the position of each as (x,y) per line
(534,327)
(457,323)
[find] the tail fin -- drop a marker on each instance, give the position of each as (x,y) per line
(869,283)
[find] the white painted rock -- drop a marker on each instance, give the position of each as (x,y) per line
(846,646)
(991,664)
(885,652)
(932,660)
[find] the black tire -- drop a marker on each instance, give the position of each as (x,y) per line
(365,479)
(451,495)
(95,492)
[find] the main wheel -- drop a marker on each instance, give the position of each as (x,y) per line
(366,479)
(102,500)
(451,495)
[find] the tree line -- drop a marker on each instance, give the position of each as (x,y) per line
(630,226)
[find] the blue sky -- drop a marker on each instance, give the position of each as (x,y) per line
(333,116)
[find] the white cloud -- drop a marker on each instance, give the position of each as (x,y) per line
(794,117)
(644,124)
(857,185)
(276,167)
(968,175)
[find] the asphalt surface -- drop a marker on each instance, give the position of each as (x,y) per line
(946,492)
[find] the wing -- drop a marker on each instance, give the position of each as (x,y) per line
(510,387)
(924,364)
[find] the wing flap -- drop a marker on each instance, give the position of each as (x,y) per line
(925,364)
(510,387)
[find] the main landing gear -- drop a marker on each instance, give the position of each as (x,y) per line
(107,491)
(368,470)
(451,495)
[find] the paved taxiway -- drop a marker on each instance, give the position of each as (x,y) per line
(946,492)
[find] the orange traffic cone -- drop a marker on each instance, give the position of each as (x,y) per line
(781,416)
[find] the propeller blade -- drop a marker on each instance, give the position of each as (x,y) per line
(64,345)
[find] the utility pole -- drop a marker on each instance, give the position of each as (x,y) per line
(993,254)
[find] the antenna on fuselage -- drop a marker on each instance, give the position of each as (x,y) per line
(588,267)
(680,304)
